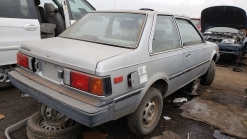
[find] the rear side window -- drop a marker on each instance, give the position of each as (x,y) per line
(165,34)
(79,8)
(189,34)
(18,9)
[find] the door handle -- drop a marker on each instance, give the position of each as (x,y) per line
(30,27)
(187,55)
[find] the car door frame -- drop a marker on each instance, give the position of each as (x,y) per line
(200,67)
(178,74)
(67,12)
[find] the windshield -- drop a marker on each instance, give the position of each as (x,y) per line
(121,29)
(222,29)
(79,8)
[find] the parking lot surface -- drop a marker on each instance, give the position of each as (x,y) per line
(228,88)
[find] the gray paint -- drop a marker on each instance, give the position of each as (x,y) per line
(174,67)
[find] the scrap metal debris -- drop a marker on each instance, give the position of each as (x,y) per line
(167,135)
(178,100)
(167,118)
(24,95)
(227,118)
(188,136)
(1,116)
(237,69)
(244,123)
(218,135)
(94,135)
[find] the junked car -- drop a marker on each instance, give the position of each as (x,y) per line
(29,20)
(226,26)
(111,64)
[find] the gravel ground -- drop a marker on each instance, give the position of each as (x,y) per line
(228,88)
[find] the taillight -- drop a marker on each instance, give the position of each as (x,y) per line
(79,80)
(94,85)
(22,60)
(25,61)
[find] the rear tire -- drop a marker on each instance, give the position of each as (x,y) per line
(208,78)
(146,117)
(35,131)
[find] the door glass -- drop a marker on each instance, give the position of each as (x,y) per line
(188,32)
(165,34)
(42,3)
(18,9)
(79,8)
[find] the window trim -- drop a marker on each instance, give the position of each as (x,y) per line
(152,35)
(203,40)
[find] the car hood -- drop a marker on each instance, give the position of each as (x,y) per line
(74,54)
(223,16)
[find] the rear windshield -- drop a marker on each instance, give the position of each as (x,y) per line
(121,29)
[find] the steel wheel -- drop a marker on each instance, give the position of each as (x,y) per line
(38,128)
(4,70)
(150,113)
(195,85)
(147,115)
(53,120)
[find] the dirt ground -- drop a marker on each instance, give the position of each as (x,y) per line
(228,88)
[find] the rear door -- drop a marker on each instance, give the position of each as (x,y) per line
(196,55)
(18,24)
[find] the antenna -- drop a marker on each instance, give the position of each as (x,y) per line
(114,4)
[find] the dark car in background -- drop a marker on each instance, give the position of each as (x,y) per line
(226,26)
(196,22)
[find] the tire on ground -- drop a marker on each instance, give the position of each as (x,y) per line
(5,85)
(135,120)
(208,78)
(34,131)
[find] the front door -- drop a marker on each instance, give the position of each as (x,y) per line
(76,9)
(195,50)
(167,53)
(18,24)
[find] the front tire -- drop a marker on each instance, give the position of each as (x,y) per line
(208,78)
(146,117)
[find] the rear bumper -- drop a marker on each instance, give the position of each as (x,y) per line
(79,111)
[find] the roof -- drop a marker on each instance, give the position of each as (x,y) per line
(140,11)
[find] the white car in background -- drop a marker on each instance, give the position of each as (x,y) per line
(29,20)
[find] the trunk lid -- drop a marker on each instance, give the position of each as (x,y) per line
(223,16)
(74,54)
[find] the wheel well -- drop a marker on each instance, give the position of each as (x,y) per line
(161,85)
(214,58)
